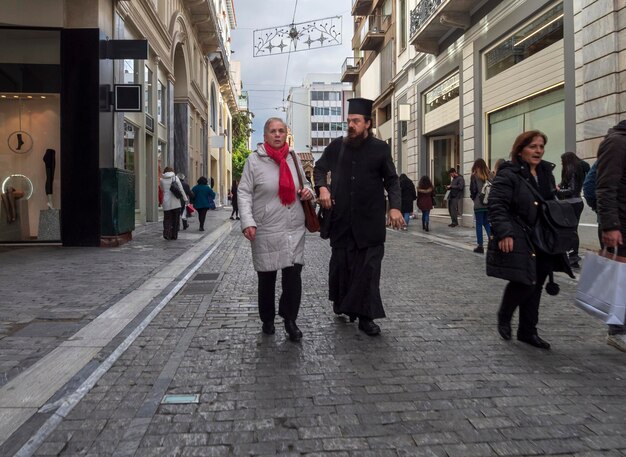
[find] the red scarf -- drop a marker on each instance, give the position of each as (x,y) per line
(286,187)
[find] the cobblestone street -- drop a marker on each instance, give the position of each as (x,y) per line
(439,381)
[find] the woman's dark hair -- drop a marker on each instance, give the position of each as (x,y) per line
(202,181)
(424,183)
(570,163)
(167,169)
(523,140)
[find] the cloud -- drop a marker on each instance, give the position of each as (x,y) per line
(268,79)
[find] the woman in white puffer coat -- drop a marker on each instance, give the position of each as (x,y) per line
(272,219)
(171,204)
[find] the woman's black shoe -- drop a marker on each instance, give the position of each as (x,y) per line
(534,340)
(293,331)
(268,328)
(479,250)
(505,331)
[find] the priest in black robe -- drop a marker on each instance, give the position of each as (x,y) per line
(361,169)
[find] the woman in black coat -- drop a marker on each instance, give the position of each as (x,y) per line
(572,177)
(407,197)
(513,209)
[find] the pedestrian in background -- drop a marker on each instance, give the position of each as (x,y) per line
(203,199)
(480,176)
(272,218)
(189,194)
(362,169)
(513,210)
(425,200)
(407,197)
(611,206)
(233,200)
(572,178)
(171,203)
(455,198)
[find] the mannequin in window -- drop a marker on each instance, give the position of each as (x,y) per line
(50,162)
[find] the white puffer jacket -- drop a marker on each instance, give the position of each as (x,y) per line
(170,201)
(279,241)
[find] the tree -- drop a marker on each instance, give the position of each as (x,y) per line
(242,129)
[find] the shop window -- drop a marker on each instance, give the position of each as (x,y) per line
(544,112)
(161,103)
(442,93)
(147,88)
(130,145)
(540,33)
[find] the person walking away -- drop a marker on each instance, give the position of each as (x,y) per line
(456,186)
(189,194)
(362,169)
(571,186)
(272,219)
(611,206)
(233,200)
(171,203)
(407,196)
(480,176)
(203,199)
(425,200)
(513,211)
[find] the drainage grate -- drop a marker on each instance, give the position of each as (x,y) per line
(180,399)
(206,277)
(201,288)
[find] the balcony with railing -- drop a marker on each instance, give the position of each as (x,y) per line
(371,34)
(350,69)
(361,7)
(205,20)
(431,20)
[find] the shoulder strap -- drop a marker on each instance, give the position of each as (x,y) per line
(297,165)
(533,190)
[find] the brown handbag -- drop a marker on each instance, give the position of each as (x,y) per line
(311,222)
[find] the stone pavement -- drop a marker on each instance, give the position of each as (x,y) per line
(438,382)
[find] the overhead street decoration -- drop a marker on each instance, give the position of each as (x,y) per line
(302,36)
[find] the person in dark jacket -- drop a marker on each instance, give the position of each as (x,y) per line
(183,213)
(233,200)
(203,200)
(480,175)
(425,200)
(407,197)
(611,205)
(572,178)
(513,209)
(358,219)
(456,187)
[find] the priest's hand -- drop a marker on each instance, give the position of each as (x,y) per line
(396,220)
(324,198)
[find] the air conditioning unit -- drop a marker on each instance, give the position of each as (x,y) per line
(149,123)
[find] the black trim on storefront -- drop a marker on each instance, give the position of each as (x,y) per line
(80,177)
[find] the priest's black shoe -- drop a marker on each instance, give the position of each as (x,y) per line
(369,327)
(534,340)
(504,329)
(293,331)
(268,328)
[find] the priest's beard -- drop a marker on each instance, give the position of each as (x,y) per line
(357,140)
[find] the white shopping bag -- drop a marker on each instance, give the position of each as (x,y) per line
(601,289)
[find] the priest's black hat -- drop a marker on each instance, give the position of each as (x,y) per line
(360,106)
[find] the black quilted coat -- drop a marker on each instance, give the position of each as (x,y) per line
(512,209)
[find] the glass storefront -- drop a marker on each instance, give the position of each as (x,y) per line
(544,112)
(30,130)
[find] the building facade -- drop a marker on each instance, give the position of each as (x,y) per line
(316,112)
(58,86)
(471,75)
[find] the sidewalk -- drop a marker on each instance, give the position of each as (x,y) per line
(64,306)
(438,382)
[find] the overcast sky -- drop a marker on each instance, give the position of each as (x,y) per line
(264,77)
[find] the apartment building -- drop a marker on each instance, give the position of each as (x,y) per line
(469,75)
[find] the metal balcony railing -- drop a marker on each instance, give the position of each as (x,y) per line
(351,63)
(422,12)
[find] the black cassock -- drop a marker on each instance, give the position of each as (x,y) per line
(359,218)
